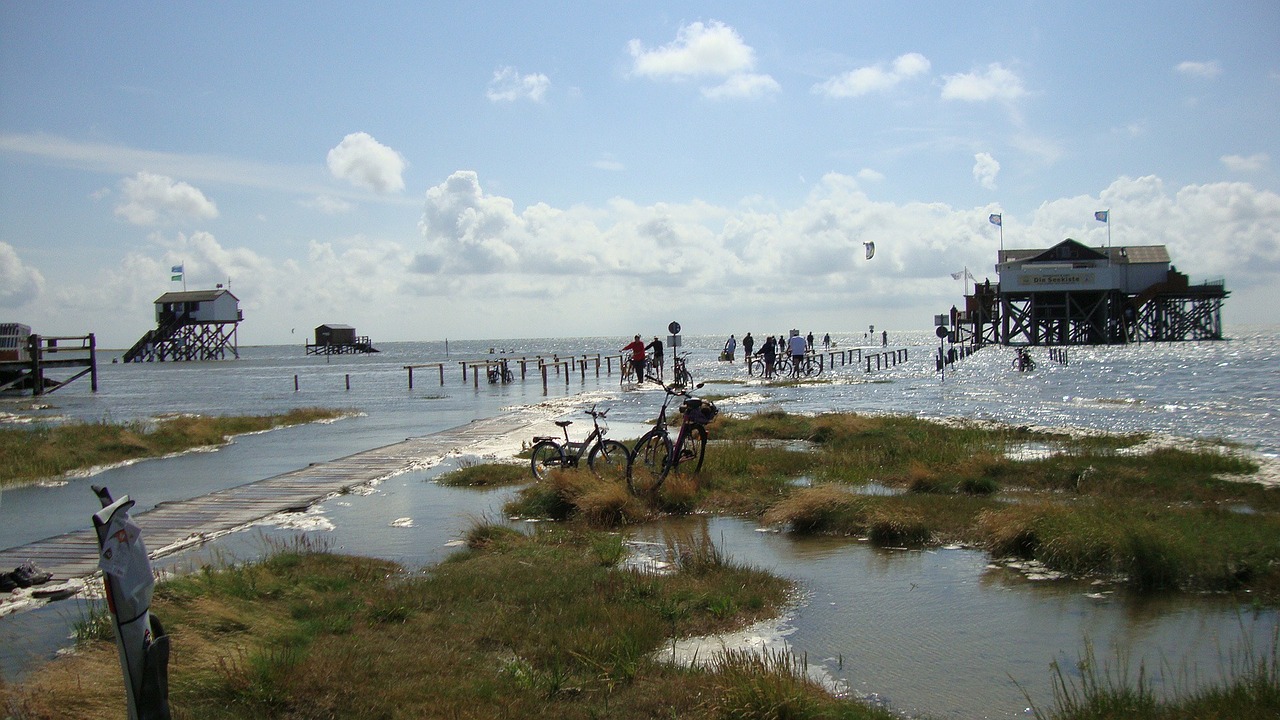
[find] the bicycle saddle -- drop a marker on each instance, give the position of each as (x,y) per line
(564,423)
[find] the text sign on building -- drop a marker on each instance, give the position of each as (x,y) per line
(1056,279)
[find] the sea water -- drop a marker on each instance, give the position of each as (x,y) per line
(936,632)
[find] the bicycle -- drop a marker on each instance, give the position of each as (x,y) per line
(680,370)
(608,459)
(499,371)
(807,366)
(655,455)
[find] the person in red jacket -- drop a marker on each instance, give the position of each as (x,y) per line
(637,357)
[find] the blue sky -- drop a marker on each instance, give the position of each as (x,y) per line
(500,170)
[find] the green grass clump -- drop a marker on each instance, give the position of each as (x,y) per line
(46,450)
(486,475)
(524,626)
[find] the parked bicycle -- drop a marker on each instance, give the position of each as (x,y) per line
(656,456)
(500,371)
(680,370)
(608,459)
(807,366)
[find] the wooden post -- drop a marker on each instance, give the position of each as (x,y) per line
(544,377)
(295,383)
(475,377)
(410,369)
(440,367)
(93,363)
(348,381)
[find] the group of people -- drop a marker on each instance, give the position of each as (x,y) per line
(792,344)
(639,360)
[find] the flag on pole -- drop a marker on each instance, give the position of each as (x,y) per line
(176,269)
(177,273)
(957,275)
(1102,215)
(996,219)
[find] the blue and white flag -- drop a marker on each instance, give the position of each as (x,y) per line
(1102,215)
(175,269)
(996,219)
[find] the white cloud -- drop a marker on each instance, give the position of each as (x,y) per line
(985,170)
(508,85)
(19,283)
(874,78)
(869,175)
(709,51)
(714,49)
(149,199)
(1251,163)
(995,83)
(365,162)
(328,205)
(1202,70)
(743,85)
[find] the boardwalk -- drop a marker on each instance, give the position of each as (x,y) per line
(175,525)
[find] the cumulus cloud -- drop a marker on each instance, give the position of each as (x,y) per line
(19,283)
(365,162)
(1251,163)
(874,78)
(508,85)
(148,199)
(995,83)
(985,170)
(704,51)
(1202,70)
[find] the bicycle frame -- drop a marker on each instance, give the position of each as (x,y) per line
(656,454)
(549,453)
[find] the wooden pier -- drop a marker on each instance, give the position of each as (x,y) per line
(76,354)
(176,525)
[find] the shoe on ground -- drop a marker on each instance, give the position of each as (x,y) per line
(27,574)
(6,582)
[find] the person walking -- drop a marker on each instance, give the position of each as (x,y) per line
(636,348)
(730,346)
(656,347)
(809,340)
(770,352)
(748,342)
(797,347)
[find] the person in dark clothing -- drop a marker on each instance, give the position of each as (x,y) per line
(770,352)
(748,343)
(656,347)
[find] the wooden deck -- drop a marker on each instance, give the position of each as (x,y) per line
(175,525)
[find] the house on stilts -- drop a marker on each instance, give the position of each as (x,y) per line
(1072,294)
(191,325)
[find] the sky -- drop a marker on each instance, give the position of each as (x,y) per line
(468,170)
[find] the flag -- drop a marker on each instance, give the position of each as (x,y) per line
(1102,215)
(996,218)
(957,275)
(176,269)
(175,278)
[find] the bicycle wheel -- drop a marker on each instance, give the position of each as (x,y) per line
(546,456)
(688,458)
(683,377)
(649,463)
(782,366)
(608,460)
(810,367)
(756,367)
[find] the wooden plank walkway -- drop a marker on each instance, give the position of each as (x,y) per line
(175,525)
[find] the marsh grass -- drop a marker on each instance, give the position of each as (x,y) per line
(531,626)
(485,475)
(1093,690)
(1160,521)
(47,450)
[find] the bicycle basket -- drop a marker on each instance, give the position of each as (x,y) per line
(699,411)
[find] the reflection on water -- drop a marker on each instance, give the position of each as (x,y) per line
(942,633)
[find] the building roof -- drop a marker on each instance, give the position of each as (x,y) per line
(1123,254)
(335,326)
(194,296)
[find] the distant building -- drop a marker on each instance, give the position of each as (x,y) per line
(191,325)
(1072,294)
(334,339)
